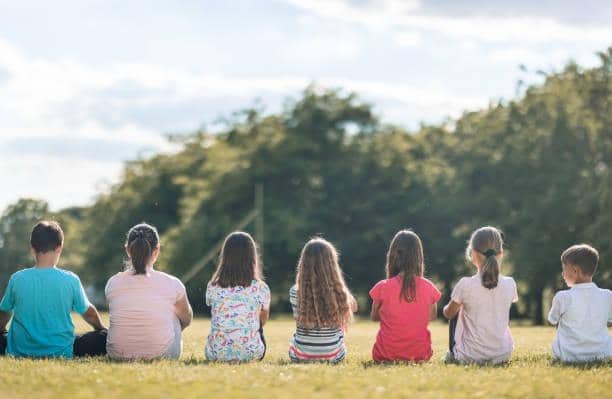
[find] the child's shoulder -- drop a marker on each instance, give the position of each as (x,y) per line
(506,280)
(166,276)
(425,280)
(67,273)
(260,284)
(562,294)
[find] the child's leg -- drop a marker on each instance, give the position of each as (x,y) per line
(263,340)
(3,336)
(90,344)
(452,326)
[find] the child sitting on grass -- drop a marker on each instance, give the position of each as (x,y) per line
(240,302)
(481,333)
(148,309)
(40,299)
(322,305)
(404,303)
(582,313)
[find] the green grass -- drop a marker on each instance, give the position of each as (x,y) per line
(530,373)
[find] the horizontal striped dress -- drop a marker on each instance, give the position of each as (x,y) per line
(315,344)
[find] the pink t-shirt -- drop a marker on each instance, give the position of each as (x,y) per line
(143,319)
(403,333)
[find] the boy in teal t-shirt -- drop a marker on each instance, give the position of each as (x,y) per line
(40,300)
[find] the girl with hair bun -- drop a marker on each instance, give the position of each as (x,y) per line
(148,308)
(479,309)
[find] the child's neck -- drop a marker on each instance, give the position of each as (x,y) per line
(583,280)
(46,261)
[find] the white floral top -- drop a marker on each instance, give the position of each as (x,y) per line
(234,330)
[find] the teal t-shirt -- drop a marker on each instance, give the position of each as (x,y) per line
(41,300)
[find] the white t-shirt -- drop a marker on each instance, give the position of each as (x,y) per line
(582,314)
(482,333)
(143,320)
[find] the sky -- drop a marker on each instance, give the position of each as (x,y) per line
(86,85)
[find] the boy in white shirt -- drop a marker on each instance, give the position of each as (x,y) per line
(582,313)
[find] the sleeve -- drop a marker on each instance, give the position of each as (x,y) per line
(376,293)
(515,296)
(457,295)
(435,293)
(80,303)
(263,296)
(293,300)
(210,294)
(609,306)
(181,291)
(557,309)
(8,300)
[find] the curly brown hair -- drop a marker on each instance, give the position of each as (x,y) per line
(323,298)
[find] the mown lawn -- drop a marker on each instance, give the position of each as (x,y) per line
(529,374)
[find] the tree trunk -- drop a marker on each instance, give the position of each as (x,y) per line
(538,317)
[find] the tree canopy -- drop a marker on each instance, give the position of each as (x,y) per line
(537,166)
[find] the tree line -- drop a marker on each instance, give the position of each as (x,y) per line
(537,166)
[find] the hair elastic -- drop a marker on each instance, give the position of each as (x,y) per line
(489,252)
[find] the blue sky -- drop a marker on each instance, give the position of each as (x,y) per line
(86,85)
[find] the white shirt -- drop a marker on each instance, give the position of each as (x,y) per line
(483,332)
(582,314)
(143,316)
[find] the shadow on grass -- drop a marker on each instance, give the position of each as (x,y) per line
(595,364)
(371,363)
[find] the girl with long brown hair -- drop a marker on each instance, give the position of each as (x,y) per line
(322,305)
(404,303)
(240,302)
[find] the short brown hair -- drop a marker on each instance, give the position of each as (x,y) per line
(584,256)
(47,235)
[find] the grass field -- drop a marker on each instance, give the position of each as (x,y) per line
(529,374)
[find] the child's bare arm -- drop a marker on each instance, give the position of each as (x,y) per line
(92,317)
(264,316)
(5,317)
(375,313)
(451,309)
(433,311)
(353,304)
(184,312)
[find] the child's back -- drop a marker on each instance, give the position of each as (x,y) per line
(235,321)
(143,323)
(403,333)
(319,343)
(582,314)
(41,300)
(482,333)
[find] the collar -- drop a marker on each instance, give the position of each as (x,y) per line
(584,285)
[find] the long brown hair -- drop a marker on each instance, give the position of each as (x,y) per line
(488,242)
(238,263)
(323,299)
(405,257)
(141,241)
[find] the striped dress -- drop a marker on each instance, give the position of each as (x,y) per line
(315,344)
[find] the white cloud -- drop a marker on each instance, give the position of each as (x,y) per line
(403,15)
(61,182)
(408,39)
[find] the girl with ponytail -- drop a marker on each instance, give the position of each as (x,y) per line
(479,309)
(404,303)
(148,308)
